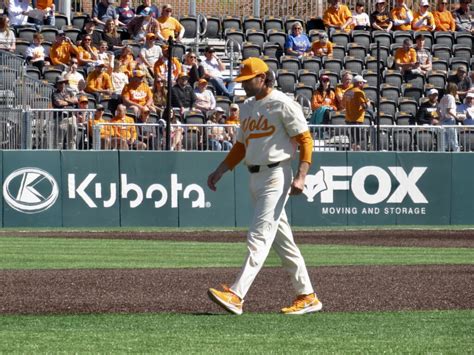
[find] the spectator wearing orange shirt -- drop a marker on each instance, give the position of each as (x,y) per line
(444,20)
(401,16)
(127,61)
(161,66)
(337,17)
(125,132)
(88,54)
(323,101)
(323,47)
(423,19)
(62,50)
(346,84)
(48,7)
(137,95)
(99,82)
(169,26)
(405,57)
(106,131)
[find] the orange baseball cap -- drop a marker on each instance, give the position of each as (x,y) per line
(150,36)
(250,68)
(202,81)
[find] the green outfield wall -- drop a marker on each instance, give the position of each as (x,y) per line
(111,189)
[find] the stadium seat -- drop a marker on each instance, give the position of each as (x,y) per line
(399,36)
(314,23)
(61,20)
(72,33)
(393,77)
(354,65)
(362,37)
(286,80)
(272,62)
(390,92)
(26,33)
(20,47)
(441,52)
(440,64)
(408,105)
(272,23)
(50,74)
(308,78)
(466,139)
(332,64)
(304,90)
(290,63)
(463,38)
(416,79)
(388,107)
(272,50)
(370,76)
(455,63)
(444,38)
(314,34)
(338,52)
(79,19)
(371,64)
(340,38)
(214,27)
(194,117)
(49,33)
(235,35)
(231,22)
(33,72)
(312,64)
(462,51)
(429,40)
(385,39)
(252,23)
(425,140)
(255,36)
(223,102)
(408,90)
(384,52)
(372,93)
(277,37)
(251,50)
(190,24)
(437,79)
(356,50)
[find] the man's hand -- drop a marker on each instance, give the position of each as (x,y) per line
(216,175)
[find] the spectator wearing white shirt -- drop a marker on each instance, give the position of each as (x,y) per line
(7,37)
(205,100)
(18,12)
(73,76)
(150,52)
(213,68)
(35,53)
(360,19)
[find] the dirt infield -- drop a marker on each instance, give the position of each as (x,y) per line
(356,288)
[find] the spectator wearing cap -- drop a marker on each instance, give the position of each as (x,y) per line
(150,52)
(63,98)
(35,54)
(323,100)
(154,11)
(161,66)
(103,11)
(356,104)
(192,67)
(106,131)
(218,139)
(81,122)
(18,12)
(124,136)
(297,43)
(444,20)
(99,83)
(125,13)
(323,47)
(62,50)
(465,111)
(205,100)
(182,94)
(111,36)
(337,17)
(147,135)
(423,56)
(87,53)
(233,119)
(7,36)
(213,68)
(346,84)
(405,58)
(360,19)
(143,24)
(427,113)
(462,82)
(89,30)
(463,17)
(137,95)
(401,16)
(169,26)
(380,18)
(423,19)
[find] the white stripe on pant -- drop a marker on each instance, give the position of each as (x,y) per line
(269,193)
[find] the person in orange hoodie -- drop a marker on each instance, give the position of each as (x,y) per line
(444,20)
(137,95)
(62,50)
(99,82)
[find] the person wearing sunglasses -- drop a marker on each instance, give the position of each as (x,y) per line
(169,26)
(423,19)
(193,68)
(63,50)
(444,20)
(401,16)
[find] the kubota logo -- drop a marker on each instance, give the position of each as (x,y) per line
(324,183)
(30,190)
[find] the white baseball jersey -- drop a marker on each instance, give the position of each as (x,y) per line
(266,128)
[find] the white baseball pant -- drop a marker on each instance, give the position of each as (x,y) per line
(269,190)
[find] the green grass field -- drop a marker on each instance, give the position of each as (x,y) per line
(433,332)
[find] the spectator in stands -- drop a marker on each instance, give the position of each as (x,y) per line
(205,100)
(81,87)
(182,94)
(35,53)
(137,95)
(337,17)
(465,111)
(447,113)
(105,56)
(106,132)
(217,136)
(48,7)
(192,67)
(356,104)
(380,18)
(444,20)
(99,83)
(360,19)
(462,81)
(7,36)
(18,12)
(103,11)
(63,98)
(62,50)
(127,61)
(176,133)
(154,11)
(119,78)
(462,17)
(161,66)
(150,52)
(423,56)
(160,94)
(234,119)
(169,26)
(402,16)
(427,113)
(140,25)
(323,101)
(88,54)
(346,84)
(82,119)
(89,30)
(111,36)
(423,19)
(125,132)
(147,134)
(73,76)
(213,69)
(323,47)
(124,12)
(405,58)
(297,43)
